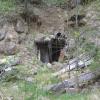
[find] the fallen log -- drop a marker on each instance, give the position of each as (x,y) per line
(71,83)
(73,64)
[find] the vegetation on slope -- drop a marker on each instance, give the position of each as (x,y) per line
(24,90)
(7,5)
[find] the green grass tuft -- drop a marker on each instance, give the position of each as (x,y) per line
(7,5)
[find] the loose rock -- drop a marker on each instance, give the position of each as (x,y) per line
(21,27)
(3,32)
(10,48)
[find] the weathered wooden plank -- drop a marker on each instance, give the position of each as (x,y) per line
(73,64)
(71,83)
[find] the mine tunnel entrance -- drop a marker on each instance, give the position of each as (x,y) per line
(49,48)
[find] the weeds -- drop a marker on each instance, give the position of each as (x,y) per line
(7,5)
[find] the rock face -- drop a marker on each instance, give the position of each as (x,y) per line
(21,27)
(3,32)
(2,47)
(9,40)
(10,48)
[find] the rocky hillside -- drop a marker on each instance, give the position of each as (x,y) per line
(23,76)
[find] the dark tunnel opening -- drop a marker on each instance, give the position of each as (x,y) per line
(50,49)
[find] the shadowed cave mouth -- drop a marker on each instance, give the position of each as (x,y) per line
(49,48)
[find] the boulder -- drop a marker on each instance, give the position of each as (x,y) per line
(21,38)
(11,41)
(2,35)
(2,47)
(10,48)
(21,27)
(3,32)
